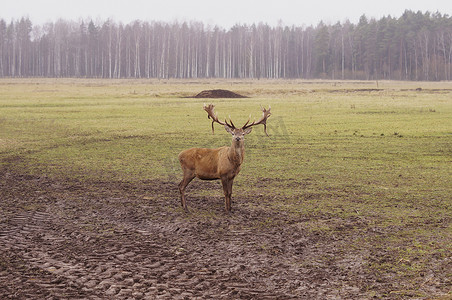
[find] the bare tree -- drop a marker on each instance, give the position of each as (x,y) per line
(415,46)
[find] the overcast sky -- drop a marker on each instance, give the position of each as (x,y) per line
(224,13)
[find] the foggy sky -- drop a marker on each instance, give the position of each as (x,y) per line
(225,13)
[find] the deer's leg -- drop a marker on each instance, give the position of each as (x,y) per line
(227,188)
(230,193)
(188,177)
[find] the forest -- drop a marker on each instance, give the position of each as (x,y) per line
(414,46)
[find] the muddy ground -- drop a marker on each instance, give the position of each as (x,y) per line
(112,240)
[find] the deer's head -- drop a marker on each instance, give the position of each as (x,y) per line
(238,134)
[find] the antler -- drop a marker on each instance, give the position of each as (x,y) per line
(212,115)
(265,114)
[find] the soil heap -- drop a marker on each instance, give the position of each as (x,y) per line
(218,94)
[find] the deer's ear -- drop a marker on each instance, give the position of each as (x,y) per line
(248,130)
(228,129)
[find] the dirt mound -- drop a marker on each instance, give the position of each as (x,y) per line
(219,94)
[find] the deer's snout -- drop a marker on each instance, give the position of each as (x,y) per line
(237,138)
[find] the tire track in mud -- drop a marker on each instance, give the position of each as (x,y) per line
(69,240)
(31,269)
(128,263)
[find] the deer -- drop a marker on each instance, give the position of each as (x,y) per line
(221,163)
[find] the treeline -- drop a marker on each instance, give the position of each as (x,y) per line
(415,46)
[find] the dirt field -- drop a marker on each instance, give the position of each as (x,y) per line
(61,240)
(348,197)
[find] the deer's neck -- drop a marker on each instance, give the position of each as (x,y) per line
(237,152)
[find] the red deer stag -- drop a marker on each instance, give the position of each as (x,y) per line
(220,163)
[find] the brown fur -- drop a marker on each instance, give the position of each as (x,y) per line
(211,164)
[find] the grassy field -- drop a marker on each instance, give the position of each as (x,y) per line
(366,162)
